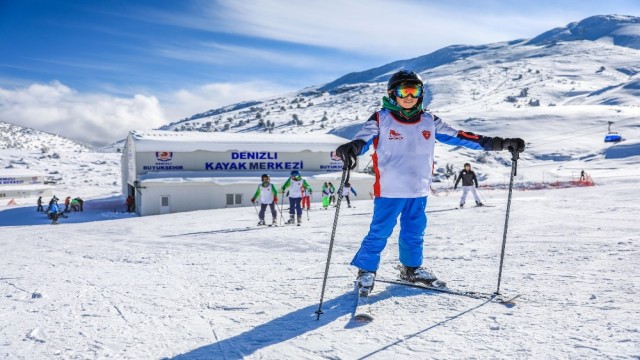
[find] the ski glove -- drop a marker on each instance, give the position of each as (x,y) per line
(349,152)
(512,144)
(253,200)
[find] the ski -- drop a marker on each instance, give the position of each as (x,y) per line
(458,208)
(498,298)
(474,206)
(362,312)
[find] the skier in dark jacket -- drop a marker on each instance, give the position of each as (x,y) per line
(404,135)
(469,179)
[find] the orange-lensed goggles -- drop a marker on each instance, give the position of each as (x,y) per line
(404,91)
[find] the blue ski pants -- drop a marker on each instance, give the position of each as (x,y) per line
(413,222)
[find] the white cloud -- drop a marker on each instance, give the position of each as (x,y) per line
(91,118)
(101,119)
(403,27)
(186,102)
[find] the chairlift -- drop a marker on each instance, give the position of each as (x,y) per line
(612,136)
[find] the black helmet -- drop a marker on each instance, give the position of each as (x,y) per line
(264,176)
(295,173)
(404,76)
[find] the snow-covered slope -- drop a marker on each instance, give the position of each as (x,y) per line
(210,285)
(621,30)
(16,137)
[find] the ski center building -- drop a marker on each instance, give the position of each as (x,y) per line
(169,171)
(23,183)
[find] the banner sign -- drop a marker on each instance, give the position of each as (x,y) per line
(273,164)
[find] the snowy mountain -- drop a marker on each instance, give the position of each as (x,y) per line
(67,164)
(615,29)
(20,138)
(582,63)
(569,81)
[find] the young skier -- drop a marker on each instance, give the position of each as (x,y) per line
(468,178)
(403,135)
(306,200)
(295,184)
(54,212)
(326,196)
(268,197)
(345,192)
(332,193)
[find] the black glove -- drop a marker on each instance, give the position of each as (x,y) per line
(513,144)
(349,152)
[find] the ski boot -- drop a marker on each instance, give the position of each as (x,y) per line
(478,203)
(461,206)
(261,222)
(365,282)
(421,275)
(274,223)
(299,220)
(291,220)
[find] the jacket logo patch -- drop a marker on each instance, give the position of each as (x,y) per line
(426,134)
(394,135)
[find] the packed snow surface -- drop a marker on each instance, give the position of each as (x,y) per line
(212,285)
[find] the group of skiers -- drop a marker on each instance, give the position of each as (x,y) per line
(54,211)
(299,193)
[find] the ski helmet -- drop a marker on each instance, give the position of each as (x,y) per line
(264,176)
(404,76)
(295,173)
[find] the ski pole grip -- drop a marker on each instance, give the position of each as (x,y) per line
(514,157)
(514,153)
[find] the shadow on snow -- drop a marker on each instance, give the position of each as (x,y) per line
(301,321)
(109,208)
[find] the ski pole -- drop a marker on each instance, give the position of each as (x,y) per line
(281,205)
(514,166)
(345,178)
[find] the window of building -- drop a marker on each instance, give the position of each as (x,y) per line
(234,199)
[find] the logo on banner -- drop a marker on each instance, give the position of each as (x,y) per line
(164,155)
(426,134)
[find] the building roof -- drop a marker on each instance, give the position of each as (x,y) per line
(182,141)
(20,173)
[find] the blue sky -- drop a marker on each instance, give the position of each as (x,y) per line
(92,70)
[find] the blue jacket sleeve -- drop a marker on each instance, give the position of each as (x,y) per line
(447,134)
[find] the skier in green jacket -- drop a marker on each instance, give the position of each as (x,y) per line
(268,196)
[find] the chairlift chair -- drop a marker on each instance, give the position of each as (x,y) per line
(612,136)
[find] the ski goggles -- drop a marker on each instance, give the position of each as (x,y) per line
(404,91)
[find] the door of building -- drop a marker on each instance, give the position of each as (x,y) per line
(165,204)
